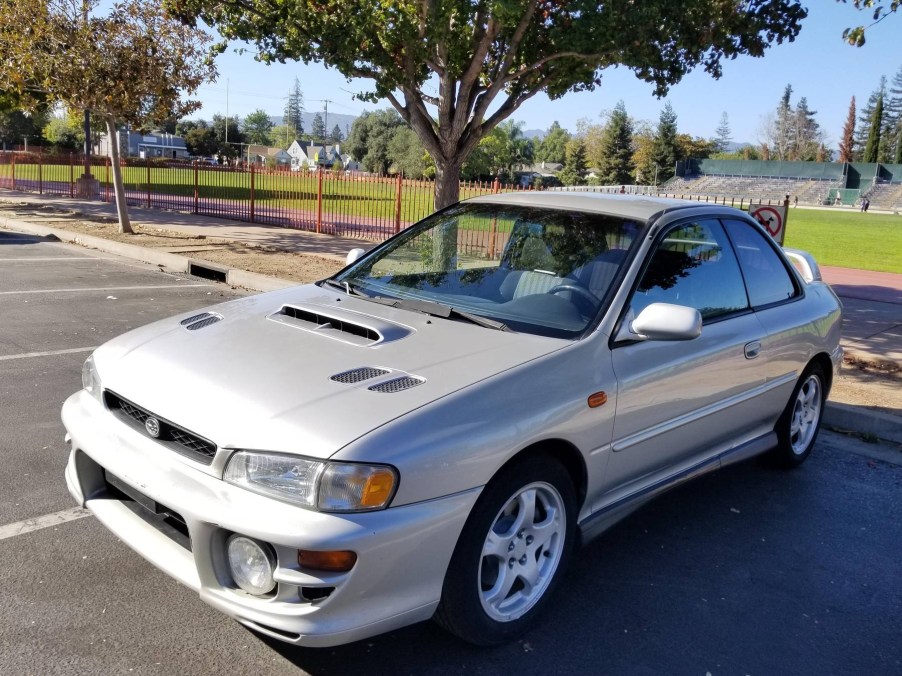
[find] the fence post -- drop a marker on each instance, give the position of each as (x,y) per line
(496,186)
(106,187)
(195,186)
(148,182)
(253,173)
(40,173)
(71,175)
(319,199)
(13,165)
(398,205)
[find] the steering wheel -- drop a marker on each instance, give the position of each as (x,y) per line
(579,290)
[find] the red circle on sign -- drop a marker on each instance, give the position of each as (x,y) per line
(776,219)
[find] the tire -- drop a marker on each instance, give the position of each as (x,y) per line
(800,422)
(512,552)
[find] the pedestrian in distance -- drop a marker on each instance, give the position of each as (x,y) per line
(865,204)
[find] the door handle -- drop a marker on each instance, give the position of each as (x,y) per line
(752,349)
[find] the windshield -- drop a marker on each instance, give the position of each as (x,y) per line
(536,270)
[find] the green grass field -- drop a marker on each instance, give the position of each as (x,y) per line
(844,238)
(848,239)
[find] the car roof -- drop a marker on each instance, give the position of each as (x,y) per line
(638,207)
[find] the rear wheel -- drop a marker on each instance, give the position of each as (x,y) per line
(511,553)
(799,424)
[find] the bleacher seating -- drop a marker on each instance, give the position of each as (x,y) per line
(886,196)
(756,188)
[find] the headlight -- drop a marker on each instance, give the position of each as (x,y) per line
(325,486)
(90,380)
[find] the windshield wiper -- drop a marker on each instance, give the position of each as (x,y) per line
(344,286)
(435,309)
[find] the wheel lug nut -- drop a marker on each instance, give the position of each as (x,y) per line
(529,539)
(511,546)
(520,534)
(510,564)
(523,560)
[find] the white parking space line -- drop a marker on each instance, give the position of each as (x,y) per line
(44,260)
(105,288)
(39,522)
(51,353)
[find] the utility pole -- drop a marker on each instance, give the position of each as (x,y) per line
(326,103)
(227,114)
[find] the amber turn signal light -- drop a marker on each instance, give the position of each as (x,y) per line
(335,562)
(597,399)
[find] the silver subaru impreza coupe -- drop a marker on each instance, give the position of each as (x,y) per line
(431,432)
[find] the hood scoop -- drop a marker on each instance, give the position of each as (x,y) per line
(200,321)
(349,327)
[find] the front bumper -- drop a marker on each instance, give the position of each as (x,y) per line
(403,552)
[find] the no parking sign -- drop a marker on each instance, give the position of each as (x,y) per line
(772,217)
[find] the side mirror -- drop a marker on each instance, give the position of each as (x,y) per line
(353,255)
(662,321)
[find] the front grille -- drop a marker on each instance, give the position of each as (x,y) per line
(358,375)
(171,435)
(396,385)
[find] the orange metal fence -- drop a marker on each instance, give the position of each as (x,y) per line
(349,204)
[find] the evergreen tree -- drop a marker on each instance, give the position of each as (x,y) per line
(864,118)
(665,151)
(893,111)
(294,108)
(723,136)
(847,142)
(553,148)
(782,139)
(318,128)
(574,164)
(806,133)
(336,134)
(875,127)
(616,152)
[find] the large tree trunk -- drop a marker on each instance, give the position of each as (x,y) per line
(447,183)
(125,225)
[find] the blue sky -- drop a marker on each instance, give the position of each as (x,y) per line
(818,65)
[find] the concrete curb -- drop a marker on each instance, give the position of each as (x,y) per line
(840,416)
(863,421)
(168,261)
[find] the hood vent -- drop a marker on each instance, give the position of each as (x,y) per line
(200,321)
(349,331)
(396,384)
(359,375)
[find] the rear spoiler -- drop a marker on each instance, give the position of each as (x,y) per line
(804,264)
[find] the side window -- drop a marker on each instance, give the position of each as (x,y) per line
(694,265)
(766,277)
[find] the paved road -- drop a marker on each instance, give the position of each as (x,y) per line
(749,571)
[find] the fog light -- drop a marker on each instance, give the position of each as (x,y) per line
(252,565)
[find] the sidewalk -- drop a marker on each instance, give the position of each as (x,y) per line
(872,301)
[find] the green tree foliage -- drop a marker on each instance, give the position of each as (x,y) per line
(872,146)
(697,147)
(643,161)
(490,158)
(282,135)
(865,117)
(65,132)
(553,147)
(615,160)
(793,133)
(878,10)
(202,142)
(723,135)
(406,153)
(370,137)
(294,109)
(336,136)
(229,136)
(488,58)
(665,150)
(318,128)
(130,66)
(574,164)
(257,127)
(17,122)
(847,141)
(892,109)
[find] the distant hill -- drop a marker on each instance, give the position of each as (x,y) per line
(535,134)
(345,122)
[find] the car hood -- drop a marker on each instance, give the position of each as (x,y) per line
(266,372)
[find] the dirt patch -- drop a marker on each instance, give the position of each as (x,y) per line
(873,389)
(294,266)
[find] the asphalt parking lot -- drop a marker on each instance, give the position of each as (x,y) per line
(748,571)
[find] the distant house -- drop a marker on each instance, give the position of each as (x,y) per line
(349,163)
(155,144)
(527,173)
(266,155)
(307,156)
